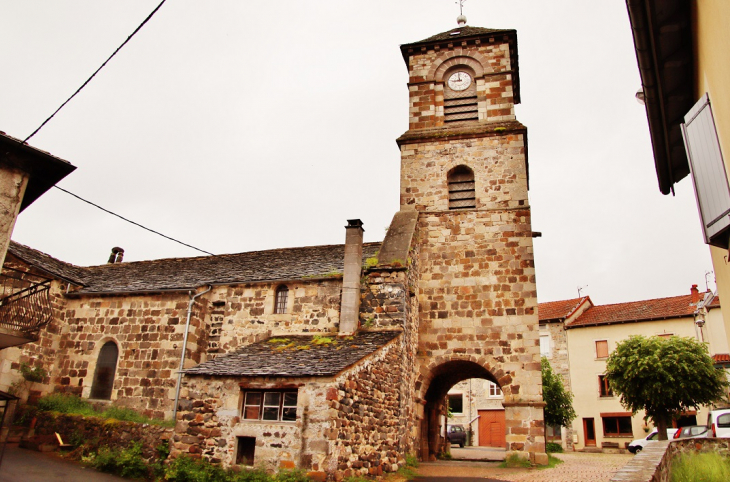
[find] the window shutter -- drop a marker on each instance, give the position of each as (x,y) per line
(708,172)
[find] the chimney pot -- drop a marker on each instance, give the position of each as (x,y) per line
(350,306)
(695,295)
(116,256)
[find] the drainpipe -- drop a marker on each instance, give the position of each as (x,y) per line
(185,343)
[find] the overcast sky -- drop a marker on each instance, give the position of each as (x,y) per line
(238,126)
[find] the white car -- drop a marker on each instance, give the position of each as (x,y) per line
(718,423)
(637,445)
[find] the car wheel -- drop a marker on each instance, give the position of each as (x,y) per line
(637,450)
(461,444)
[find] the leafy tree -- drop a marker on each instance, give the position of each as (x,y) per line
(559,402)
(664,377)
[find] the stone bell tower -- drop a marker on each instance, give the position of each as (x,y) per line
(464,172)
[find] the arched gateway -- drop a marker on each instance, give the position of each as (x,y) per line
(476,295)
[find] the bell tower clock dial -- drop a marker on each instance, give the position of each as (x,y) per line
(459,81)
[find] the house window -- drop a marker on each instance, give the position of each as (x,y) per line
(708,172)
(603,387)
(246,446)
(545,345)
(617,426)
(602,349)
(456,403)
(494,390)
(462,193)
(278,405)
(106,367)
(282,294)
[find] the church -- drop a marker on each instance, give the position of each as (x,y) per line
(333,359)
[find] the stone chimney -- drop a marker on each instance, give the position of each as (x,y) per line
(116,256)
(350,306)
(695,295)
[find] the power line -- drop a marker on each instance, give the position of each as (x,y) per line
(132,222)
(97,71)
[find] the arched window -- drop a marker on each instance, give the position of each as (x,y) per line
(462,193)
(106,367)
(282,293)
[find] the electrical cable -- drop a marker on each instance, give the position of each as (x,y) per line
(97,70)
(132,222)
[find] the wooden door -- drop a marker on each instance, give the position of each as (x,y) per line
(491,428)
(589,432)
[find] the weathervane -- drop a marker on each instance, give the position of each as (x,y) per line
(461,19)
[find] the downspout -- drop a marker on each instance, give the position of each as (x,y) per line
(185,343)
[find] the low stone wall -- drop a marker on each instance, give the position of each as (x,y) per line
(653,462)
(97,432)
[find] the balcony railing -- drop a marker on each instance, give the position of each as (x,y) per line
(25,304)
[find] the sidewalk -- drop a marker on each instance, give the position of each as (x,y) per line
(22,465)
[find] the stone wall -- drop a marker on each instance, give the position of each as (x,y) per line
(499,166)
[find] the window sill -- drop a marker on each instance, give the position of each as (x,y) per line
(631,436)
(268,422)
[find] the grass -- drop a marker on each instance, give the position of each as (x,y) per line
(515,461)
(552,462)
(71,404)
(700,467)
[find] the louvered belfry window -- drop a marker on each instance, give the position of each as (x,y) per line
(462,193)
(461,106)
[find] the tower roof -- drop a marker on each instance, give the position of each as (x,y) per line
(465,33)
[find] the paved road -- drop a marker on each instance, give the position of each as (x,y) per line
(576,467)
(22,465)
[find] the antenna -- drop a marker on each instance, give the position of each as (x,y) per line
(707,284)
(580,288)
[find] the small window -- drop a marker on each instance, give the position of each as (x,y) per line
(602,349)
(545,345)
(282,294)
(245,450)
(617,427)
(462,191)
(604,388)
(270,405)
(494,390)
(456,403)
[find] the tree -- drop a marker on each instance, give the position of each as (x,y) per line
(558,402)
(664,377)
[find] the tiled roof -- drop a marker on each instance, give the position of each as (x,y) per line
(661,308)
(715,303)
(295,356)
(48,263)
(721,358)
(558,309)
(187,273)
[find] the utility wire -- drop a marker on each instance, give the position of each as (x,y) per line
(132,222)
(97,71)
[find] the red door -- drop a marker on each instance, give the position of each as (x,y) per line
(491,428)
(589,432)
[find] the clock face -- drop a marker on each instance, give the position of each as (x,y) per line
(459,81)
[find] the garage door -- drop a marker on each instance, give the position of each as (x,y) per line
(491,428)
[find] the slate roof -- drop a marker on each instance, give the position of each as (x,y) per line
(48,263)
(188,273)
(554,310)
(647,310)
(295,356)
(461,32)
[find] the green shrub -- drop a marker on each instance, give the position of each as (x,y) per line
(34,374)
(706,467)
(251,475)
(65,403)
(553,448)
(124,415)
(293,475)
(187,469)
(411,460)
(126,463)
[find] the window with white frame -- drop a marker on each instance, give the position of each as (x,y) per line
(545,345)
(273,405)
(456,403)
(493,391)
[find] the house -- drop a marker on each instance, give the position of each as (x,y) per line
(476,404)
(590,332)
(680,49)
(334,359)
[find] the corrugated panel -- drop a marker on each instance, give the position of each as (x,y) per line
(708,171)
